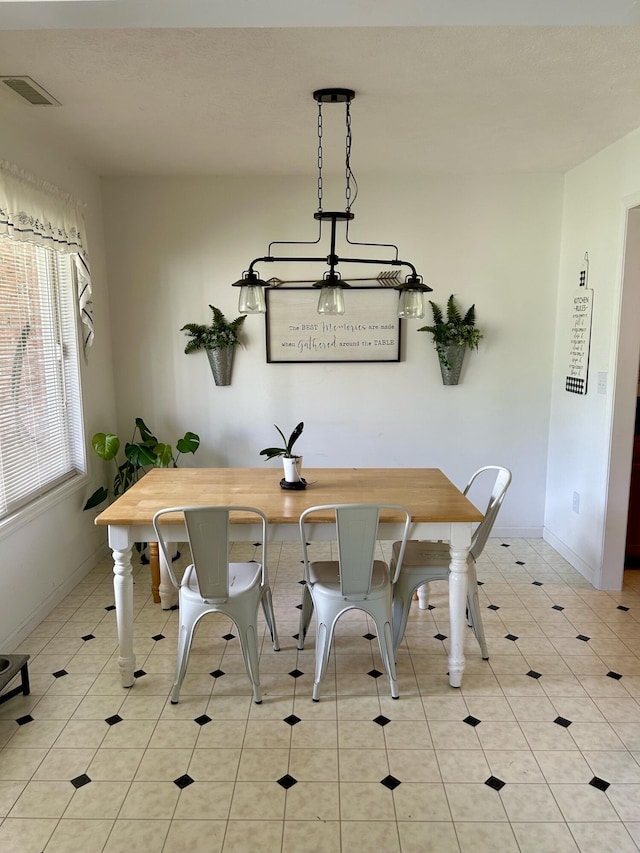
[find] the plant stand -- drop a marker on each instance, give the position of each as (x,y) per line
(221,361)
(454,356)
(10,665)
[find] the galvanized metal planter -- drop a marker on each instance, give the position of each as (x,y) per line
(221,361)
(454,356)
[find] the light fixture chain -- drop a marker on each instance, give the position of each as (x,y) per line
(320,156)
(348,172)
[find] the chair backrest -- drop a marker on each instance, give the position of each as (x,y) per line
(499,490)
(357,535)
(208,537)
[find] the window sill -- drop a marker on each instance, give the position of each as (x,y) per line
(41,505)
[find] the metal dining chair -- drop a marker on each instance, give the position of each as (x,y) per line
(423,562)
(356,580)
(212,584)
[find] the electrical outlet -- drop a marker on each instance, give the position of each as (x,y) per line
(576,502)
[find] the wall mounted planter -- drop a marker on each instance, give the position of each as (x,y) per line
(454,357)
(221,361)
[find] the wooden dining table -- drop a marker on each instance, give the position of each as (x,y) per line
(438,510)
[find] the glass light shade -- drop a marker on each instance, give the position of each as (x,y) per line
(252,299)
(411,304)
(331,300)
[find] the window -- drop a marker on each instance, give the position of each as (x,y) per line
(41,436)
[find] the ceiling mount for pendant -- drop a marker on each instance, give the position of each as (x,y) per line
(411,291)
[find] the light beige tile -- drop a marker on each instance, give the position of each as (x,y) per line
(625,799)
(583,803)
(419,765)
(241,836)
(514,766)
(257,801)
(25,835)
(214,765)
(79,836)
(313,801)
(431,837)
(356,765)
(262,765)
(486,838)
(366,801)
(527,803)
(463,765)
(474,803)
(538,837)
(97,800)
(137,836)
(115,764)
(163,765)
(613,766)
(205,801)
(314,765)
(64,764)
(196,836)
(311,836)
(421,802)
(598,837)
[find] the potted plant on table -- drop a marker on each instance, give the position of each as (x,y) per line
(219,339)
(452,336)
(291,463)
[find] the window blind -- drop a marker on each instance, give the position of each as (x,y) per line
(41,434)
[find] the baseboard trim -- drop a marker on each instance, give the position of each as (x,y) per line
(587,572)
(13,640)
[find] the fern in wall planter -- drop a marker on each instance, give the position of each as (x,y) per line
(219,340)
(451,337)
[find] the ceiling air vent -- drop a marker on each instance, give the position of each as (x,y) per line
(29,90)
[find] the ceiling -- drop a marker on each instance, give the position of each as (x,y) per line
(145,95)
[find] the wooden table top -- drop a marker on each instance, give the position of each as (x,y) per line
(426,492)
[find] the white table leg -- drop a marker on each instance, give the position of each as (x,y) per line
(123,592)
(457,607)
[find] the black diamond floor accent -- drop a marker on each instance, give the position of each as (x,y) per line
(88,637)
(599,783)
(557,607)
(295,636)
(562,721)
(511,637)
(228,637)
(302,582)
(202,720)
(257,544)
(495,783)
(390,782)
(472,721)
(139,673)
(533,674)
(174,607)
(22,721)
(431,607)
(298,607)
(381,720)
(217,673)
(615,675)
(60,673)
(183,781)
(622,607)
(296,673)
(110,607)
(287,781)
(157,637)
(374,673)
(368,636)
(116,718)
(583,638)
(505,545)
(292,720)
(492,607)
(536,583)
(80,781)
(520,563)
(480,583)
(439,636)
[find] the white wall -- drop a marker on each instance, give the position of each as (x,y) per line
(590,439)
(174,245)
(43,558)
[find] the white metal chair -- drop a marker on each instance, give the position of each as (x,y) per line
(211,584)
(356,580)
(423,562)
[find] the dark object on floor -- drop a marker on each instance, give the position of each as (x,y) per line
(10,665)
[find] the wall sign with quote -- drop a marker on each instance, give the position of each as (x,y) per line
(580,341)
(369,329)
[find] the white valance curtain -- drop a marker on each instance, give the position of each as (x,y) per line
(38,212)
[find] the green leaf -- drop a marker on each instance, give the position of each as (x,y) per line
(99,496)
(139,455)
(272,452)
(164,455)
(295,435)
(106,445)
(145,433)
(189,443)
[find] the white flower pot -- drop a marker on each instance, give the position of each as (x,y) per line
(292,468)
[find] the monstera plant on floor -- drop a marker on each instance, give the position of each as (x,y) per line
(219,339)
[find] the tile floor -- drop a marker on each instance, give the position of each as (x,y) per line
(539,752)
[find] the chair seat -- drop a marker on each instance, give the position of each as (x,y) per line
(242,577)
(327,573)
(420,554)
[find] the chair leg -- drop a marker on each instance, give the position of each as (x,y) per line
(184,648)
(267,607)
(473,606)
(305,616)
(324,635)
(423,596)
(385,641)
(250,654)
(401,604)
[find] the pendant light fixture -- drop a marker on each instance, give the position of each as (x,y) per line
(331,285)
